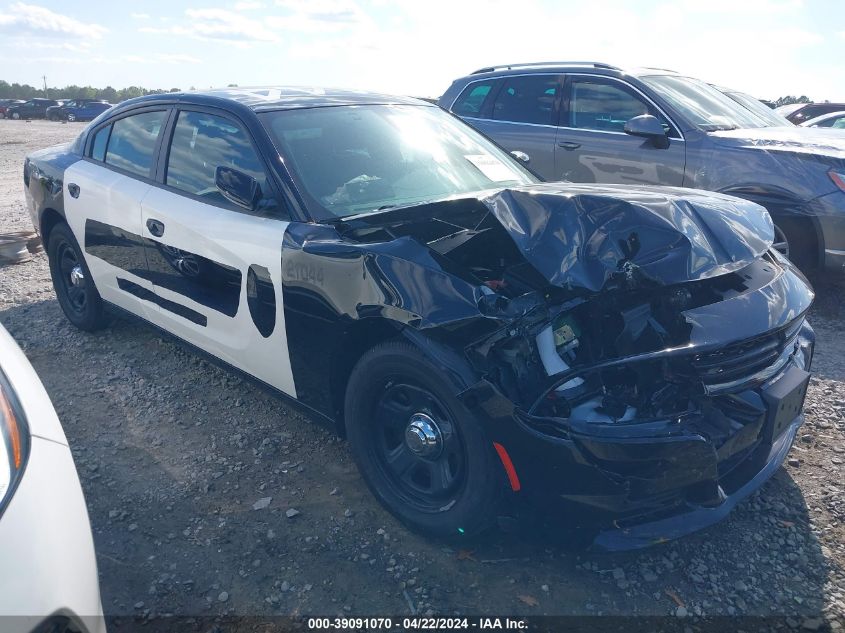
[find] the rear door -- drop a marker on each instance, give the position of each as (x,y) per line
(216,267)
(592,145)
(518,113)
(102,199)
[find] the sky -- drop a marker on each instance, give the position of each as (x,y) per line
(768,48)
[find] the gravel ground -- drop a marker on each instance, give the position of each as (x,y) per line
(208,496)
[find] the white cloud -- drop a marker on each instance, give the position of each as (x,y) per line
(159,58)
(38,20)
(218,24)
(315,16)
(734,7)
(249,6)
(140,16)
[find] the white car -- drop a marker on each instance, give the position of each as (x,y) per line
(831,120)
(49,574)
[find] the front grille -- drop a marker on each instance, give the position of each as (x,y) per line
(738,365)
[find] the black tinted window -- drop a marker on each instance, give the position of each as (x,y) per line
(133,141)
(602,106)
(98,147)
(528,99)
(202,143)
(471,100)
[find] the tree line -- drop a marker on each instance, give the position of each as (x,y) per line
(112,95)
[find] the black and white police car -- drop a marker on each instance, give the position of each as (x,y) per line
(488,343)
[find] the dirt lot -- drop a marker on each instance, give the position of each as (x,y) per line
(173,453)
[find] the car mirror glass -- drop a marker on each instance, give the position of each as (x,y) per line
(648,126)
(238,187)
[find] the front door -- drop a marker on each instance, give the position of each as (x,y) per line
(593,147)
(216,267)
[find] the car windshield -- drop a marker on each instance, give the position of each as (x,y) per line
(706,107)
(349,160)
(760,109)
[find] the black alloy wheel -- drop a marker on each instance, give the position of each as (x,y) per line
(417,446)
(75,289)
(422,453)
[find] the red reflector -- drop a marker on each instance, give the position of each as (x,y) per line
(508,464)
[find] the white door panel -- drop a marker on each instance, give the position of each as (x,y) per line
(106,220)
(202,262)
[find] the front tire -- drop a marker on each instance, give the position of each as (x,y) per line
(795,238)
(421,452)
(71,117)
(16,116)
(72,281)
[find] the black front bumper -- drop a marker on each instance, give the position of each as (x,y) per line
(640,483)
(694,518)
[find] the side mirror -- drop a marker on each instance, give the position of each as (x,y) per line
(647,126)
(521,156)
(238,187)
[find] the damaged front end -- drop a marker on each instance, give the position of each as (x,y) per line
(650,353)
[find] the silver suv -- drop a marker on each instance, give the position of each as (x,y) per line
(592,122)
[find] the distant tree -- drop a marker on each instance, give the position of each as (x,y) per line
(108,93)
(232,86)
(25,91)
(788,100)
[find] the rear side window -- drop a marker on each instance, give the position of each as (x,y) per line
(527,99)
(471,100)
(133,140)
(98,147)
(202,143)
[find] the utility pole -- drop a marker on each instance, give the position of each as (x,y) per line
(44,77)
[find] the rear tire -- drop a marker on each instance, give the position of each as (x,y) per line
(448,486)
(16,116)
(71,117)
(72,281)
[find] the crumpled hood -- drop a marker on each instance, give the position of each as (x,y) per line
(815,141)
(586,236)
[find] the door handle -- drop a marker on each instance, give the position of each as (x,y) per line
(73,190)
(569,145)
(155,227)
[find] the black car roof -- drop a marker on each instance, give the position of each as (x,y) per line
(266,98)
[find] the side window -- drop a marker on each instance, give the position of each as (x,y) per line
(98,147)
(132,142)
(596,105)
(527,99)
(202,143)
(471,100)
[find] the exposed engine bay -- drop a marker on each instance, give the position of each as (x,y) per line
(599,296)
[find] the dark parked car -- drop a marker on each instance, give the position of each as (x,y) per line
(592,122)
(758,107)
(78,110)
(798,113)
(5,104)
(633,355)
(32,109)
